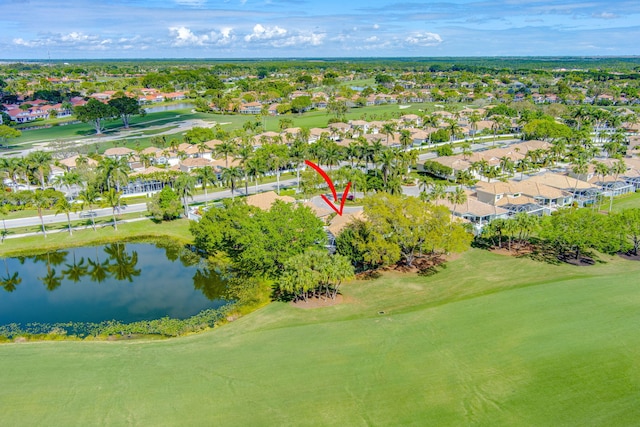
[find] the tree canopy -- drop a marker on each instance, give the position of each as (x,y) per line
(95,112)
(7,133)
(125,107)
(258,242)
(165,205)
(401,228)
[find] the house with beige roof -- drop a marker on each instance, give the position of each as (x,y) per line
(265,200)
(524,196)
(71,163)
(191,163)
(475,211)
(583,193)
(339,222)
(118,152)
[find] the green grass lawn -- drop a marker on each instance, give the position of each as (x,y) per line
(623,202)
(162,119)
(490,340)
(320,118)
(177,230)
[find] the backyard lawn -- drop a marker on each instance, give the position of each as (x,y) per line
(491,340)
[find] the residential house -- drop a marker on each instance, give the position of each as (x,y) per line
(191,163)
(265,200)
(71,163)
(475,211)
(250,108)
(118,153)
(509,196)
(583,193)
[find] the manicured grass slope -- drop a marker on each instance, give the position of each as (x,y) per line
(489,341)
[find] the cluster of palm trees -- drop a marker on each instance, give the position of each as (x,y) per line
(518,229)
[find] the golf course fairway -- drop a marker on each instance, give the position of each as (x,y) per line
(490,340)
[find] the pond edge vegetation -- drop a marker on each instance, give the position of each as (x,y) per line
(165,327)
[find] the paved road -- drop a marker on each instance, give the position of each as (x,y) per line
(136,207)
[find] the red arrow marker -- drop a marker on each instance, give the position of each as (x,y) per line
(332,188)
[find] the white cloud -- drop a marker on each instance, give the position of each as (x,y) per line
(74,39)
(280,37)
(423,39)
(183,36)
(265,33)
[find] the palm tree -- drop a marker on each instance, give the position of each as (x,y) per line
(394,184)
(146,159)
(298,153)
(438,191)
(453,127)
(510,227)
(405,139)
(255,168)
(41,201)
(425,183)
(41,162)
(429,121)
(331,155)
(497,124)
(387,161)
(243,155)
(523,165)
(601,169)
(226,149)
(113,199)
(492,172)
(67,179)
(352,152)
(89,197)
(114,172)
(230,176)
(207,176)
(64,206)
(276,158)
(526,225)
(13,167)
(474,118)
(4,211)
(184,186)
(387,130)
(457,197)
(506,164)
(465,177)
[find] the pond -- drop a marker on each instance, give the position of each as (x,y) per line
(124,282)
(170,107)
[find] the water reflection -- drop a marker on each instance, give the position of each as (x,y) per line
(92,284)
(10,281)
(211,282)
(122,264)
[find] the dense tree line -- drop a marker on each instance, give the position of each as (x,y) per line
(569,232)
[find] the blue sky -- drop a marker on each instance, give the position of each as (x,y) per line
(70,29)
